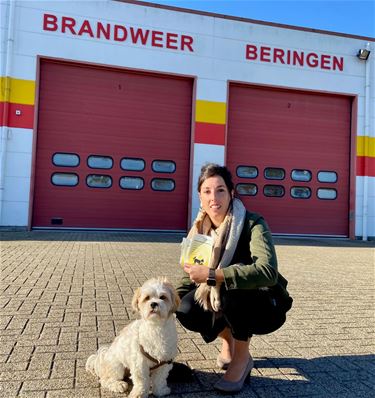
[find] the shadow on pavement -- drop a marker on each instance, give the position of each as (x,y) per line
(343,376)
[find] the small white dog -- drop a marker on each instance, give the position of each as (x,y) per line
(144,349)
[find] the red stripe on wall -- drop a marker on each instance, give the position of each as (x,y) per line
(19,115)
(209,133)
(365,166)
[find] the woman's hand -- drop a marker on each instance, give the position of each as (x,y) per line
(197,273)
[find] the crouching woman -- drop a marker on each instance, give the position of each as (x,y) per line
(241,293)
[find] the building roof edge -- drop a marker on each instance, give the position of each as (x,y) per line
(241,19)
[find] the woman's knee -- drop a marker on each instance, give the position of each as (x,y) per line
(233,301)
(190,314)
(185,311)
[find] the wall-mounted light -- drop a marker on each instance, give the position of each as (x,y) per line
(364,53)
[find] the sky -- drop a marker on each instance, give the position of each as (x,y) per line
(343,16)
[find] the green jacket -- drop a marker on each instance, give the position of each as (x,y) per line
(254,263)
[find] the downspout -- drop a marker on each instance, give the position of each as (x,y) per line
(366,146)
(6,131)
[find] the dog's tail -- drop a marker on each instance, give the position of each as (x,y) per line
(93,363)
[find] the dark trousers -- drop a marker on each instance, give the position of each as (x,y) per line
(245,312)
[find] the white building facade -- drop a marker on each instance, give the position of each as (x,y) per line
(110,108)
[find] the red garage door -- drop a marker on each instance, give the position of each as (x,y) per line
(112,149)
(290,154)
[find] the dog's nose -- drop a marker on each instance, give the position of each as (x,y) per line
(154,305)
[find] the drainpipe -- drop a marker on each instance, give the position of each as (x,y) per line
(366,143)
(6,90)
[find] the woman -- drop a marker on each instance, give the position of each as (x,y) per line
(253,297)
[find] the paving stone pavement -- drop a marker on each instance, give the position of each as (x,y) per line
(65,293)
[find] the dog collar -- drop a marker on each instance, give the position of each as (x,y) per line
(148,356)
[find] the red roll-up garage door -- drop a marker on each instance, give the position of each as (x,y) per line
(113,149)
(290,154)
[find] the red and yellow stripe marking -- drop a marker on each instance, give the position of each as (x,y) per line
(210,119)
(17,99)
(365,156)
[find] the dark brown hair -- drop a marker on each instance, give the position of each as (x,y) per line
(211,170)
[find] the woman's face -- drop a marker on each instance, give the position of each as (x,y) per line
(215,199)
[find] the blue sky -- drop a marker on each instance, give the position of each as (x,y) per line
(344,16)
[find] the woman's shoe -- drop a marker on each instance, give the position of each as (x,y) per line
(234,386)
(222,363)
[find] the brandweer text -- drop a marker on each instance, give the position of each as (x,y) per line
(119,33)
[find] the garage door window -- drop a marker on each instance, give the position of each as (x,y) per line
(65,159)
(132,183)
(163,166)
(162,184)
(274,191)
(327,176)
(65,179)
(132,164)
(300,192)
(301,175)
(100,162)
(98,181)
(247,172)
(327,194)
(272,173)
(247,189)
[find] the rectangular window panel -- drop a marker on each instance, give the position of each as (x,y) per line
(327,193)
(100,162)
(300,192)
(273,191)
(327,176)
(163,166)
(98,181)
(131,183)
(65,179)
(301,175)
(273,173)
(65,159)
(132,164)
(247,172)
(247,189)
(162,184)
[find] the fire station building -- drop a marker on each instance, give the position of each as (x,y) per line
(110,108)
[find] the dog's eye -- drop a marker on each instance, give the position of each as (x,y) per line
(162,297)
(146,298)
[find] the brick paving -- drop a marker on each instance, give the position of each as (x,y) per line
(65,293)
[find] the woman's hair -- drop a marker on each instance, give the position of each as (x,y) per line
(211,170)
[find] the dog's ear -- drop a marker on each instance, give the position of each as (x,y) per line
(135,300)
(175,298)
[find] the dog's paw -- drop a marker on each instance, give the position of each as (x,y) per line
(161,392)
(137,394)
(116,386)
(90,364)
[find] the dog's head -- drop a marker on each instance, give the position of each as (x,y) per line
(156,299)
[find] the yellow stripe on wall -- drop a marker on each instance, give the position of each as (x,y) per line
(21,91)
(366,146)
(210,112)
